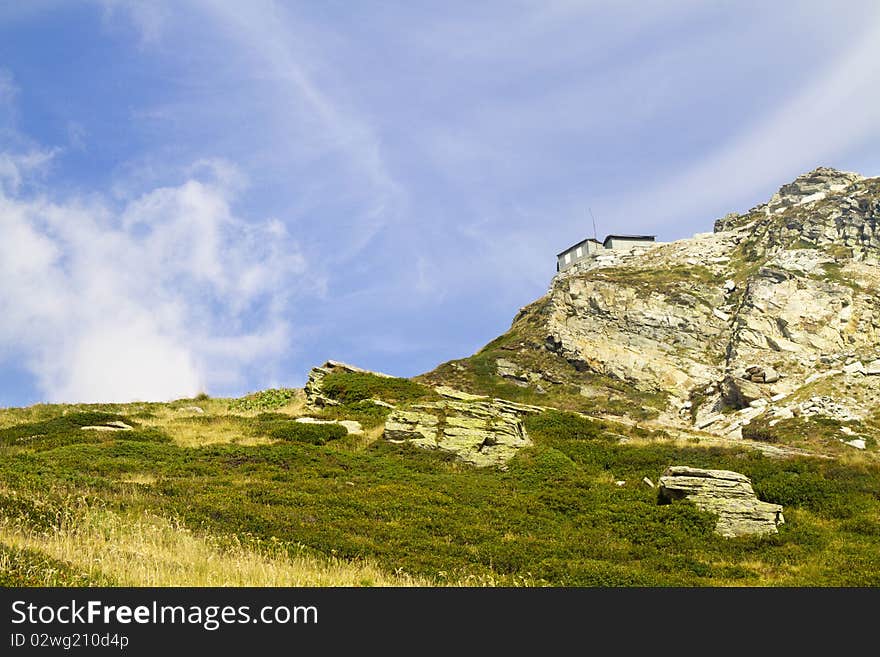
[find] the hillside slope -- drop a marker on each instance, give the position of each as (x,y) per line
(772,318)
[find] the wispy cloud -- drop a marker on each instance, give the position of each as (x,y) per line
(16,167)
(275,58)
(825,118)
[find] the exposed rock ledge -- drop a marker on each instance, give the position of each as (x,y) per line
(478,430)
(728,494)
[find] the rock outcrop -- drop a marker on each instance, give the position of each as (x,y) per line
(476,429)
(725,493)
(314,389)
(762,308)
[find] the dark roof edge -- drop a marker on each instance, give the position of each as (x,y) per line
(630,237)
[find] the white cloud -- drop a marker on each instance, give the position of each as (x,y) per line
(151,300)
(133,361)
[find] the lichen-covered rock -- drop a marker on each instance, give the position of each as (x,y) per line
(728,494)
(478,430)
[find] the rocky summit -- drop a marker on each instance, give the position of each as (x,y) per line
(729,332)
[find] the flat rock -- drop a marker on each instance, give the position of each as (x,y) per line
(854,368)
(821,375)
(114,425)
(352,426)
(725,493)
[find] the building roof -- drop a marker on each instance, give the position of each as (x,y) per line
(648,238)
(634,238)
(574,246)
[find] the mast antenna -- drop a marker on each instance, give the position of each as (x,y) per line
(595,233)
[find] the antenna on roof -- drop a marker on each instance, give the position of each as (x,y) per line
(595,234)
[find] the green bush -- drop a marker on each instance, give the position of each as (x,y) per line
(315,434)
(265,400)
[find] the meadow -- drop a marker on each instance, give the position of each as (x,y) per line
(239,494)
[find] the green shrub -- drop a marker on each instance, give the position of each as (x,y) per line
(759,429)
(315,434)
(264,400)
(565,426)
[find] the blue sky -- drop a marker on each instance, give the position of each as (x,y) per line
(216,195)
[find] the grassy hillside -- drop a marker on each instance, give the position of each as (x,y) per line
(234,495)
(559,385)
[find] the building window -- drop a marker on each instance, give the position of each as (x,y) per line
(567,258)
(579,252)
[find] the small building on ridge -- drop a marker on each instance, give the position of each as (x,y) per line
(590,248)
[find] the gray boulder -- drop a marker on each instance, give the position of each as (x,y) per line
(728,494)
(739,392)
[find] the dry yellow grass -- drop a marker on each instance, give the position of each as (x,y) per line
(148,550)
(192,434)
(140,478)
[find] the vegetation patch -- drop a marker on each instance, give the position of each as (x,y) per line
(28,567)
(352,387)
(67,429)
(370,415)
(815,431)
(265,400)
(670,281)
(561,424)
(314,434)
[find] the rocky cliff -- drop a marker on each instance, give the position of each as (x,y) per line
(774,313)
